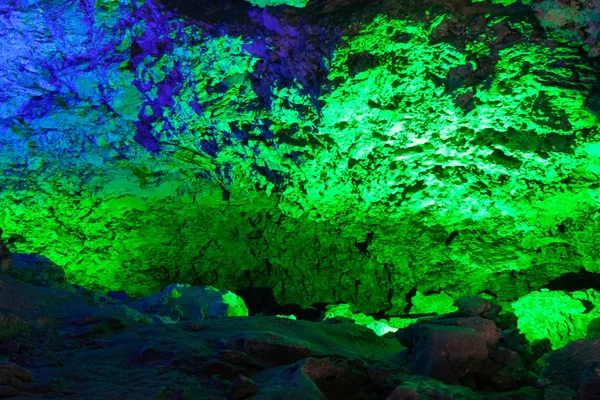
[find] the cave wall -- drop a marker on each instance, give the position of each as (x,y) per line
(335,152)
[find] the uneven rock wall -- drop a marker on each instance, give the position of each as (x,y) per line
(335,152)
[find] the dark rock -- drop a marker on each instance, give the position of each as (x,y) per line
(403,393)
(37,270)
(576,367)
(119,296)
(526,393)
(484,327)
(10,326)
(286,383)
(190,303)
(541,347)
(559,393)
(215,382)
(240,359)
(567,366)
(593,329)
(414,387)
(503,369)
(337,378)
(449,347)
(272,349)
(5,256)
(575,20)
(448,353)
(12,379)
(590,382)
(8,391)
(241,388)
(222,369)
(479,306)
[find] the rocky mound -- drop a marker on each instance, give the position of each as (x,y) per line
(194,343)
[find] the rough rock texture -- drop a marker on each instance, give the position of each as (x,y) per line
(5,256)
(479,306)
(575,20)
(184,303)
(336,152)
(449,348)
(576,367)
(559,316)
(77,346)
(78,349)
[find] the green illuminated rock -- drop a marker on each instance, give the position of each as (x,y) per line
(429,156)
(559,316)
(434,303)
(380,327)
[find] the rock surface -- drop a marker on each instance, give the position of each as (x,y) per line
(75,344)
(70,345)
(5,256)
(576,367)
(468,163)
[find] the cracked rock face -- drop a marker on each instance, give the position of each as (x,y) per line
(336,152)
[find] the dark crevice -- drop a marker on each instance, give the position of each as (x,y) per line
(408,297)
(453,234)
(261,301)
(364,246)
(589,306)
(575,281)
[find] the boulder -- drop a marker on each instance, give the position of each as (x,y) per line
(190,303)
(337,377)
(479,306)
(483,327)
(576,367)
(567,366)
(590,382)
(241,388)
(503,369)
(448,353)
(449,347)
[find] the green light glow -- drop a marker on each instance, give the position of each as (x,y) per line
(559,316)
(411,170)
(380,327)
(433,303)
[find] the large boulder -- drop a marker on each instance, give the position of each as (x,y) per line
(486,328)
(449,348)
(188,303)
(576,367)
(448,353)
